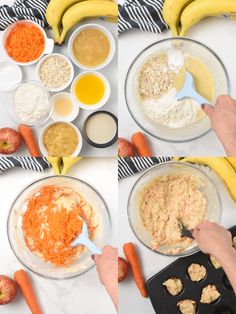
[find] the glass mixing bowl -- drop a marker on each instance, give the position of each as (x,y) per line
(35,263)
(193,48)
(12,110)
(213,211)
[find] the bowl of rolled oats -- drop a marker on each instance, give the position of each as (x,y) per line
(55,72)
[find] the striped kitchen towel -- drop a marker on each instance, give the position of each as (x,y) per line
(145,15)
(33,10)
(127,166)
(29,163)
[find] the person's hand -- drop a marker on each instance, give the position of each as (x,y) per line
(107,268)
(213,239)
(223,122)
(107,264)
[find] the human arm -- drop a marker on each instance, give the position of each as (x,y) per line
(217,241)
(223,122)
(107,268)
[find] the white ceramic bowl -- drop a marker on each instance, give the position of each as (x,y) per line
(49,43)
(43,148)
(72,73)
(110,38)
(72,116)
(102,102)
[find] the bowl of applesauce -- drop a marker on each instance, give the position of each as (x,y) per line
(91,47)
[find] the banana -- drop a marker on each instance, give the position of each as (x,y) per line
(232,161)
(55,10)
(68,162)
(56,164)
(87,9)
(221,167)
(199,9)
(171,13)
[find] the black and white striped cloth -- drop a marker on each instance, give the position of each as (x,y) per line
(33,10)
(129,166)
(145,15)
(29,163)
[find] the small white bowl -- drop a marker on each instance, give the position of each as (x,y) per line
(43,148)
(72,116)
(110,38)
(49,43)
(72,73)
(106,95)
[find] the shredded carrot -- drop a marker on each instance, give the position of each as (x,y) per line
(53,219)
(25,42)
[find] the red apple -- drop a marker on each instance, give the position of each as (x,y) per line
(125,148)
(10,141)
(123,269)
(7,289)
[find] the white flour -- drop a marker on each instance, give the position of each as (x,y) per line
(170,112)
(31,102)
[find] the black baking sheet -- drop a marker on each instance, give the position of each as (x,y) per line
(164,303)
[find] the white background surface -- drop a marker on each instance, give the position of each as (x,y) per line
(109,71)
(130,300)
(81,295)
(220,36)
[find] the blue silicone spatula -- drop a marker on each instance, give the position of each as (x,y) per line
(189,91)
(83,238)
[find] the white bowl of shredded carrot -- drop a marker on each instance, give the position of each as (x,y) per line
(47,216)
(25,42)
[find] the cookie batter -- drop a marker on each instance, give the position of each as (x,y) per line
(215,262)
(209,294)
(173,285)
(187,306)
(196,272)
(234,242)
(165,204)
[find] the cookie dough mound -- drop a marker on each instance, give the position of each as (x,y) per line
(196,272)
(215,262)
(173,285)
(187,306)
(209,294)
(234,242)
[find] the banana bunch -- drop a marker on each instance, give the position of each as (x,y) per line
(225,168)
(183,14)
(68,13)
(62,165)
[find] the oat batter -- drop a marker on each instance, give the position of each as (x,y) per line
(234,242)
(173,285)
(215,262)
(209,294)
(187,306)
(196,272)
(164,203)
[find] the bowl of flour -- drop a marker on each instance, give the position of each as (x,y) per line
(154,79)
(29,103)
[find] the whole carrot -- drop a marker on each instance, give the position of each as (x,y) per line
(28,136)
(141,144)
(133,260)
(23,282)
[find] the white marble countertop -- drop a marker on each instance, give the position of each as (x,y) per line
(84,294)
(109,71)
(130,300)
(220,36)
